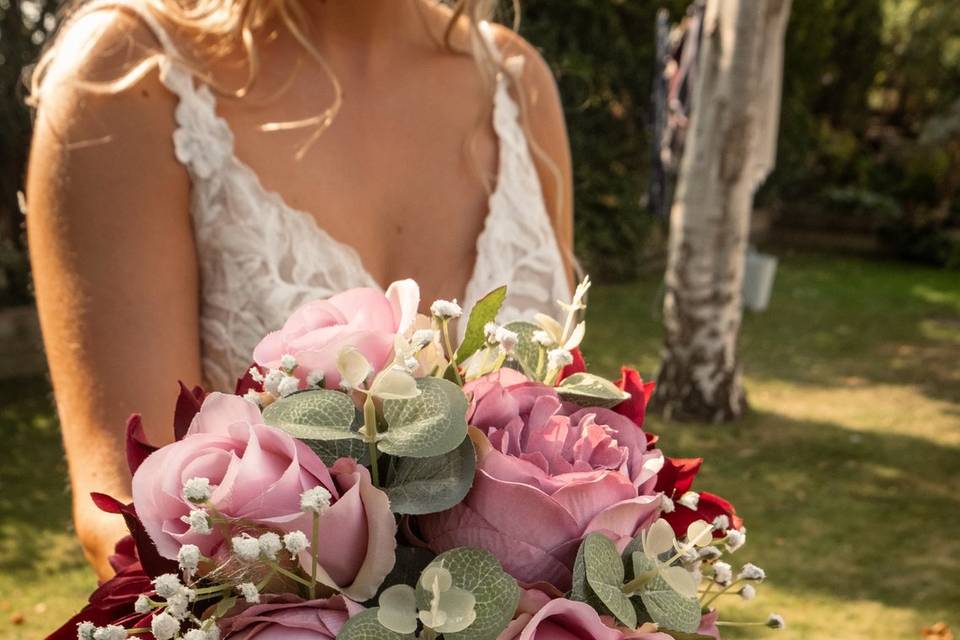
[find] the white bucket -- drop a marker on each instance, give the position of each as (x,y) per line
(761,268)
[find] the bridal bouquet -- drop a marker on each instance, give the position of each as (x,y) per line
(372,480)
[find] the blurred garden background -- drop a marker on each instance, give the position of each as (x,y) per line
(846,467)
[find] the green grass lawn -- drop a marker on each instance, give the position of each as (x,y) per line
(847,469)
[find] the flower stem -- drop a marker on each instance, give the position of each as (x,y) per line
(451,355)
(721,592)
(370,436)
(314,543)
(276,567)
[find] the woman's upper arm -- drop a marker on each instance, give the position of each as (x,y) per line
(547,131)
(114,267)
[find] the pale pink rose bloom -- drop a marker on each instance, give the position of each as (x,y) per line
(548,474)
(286,617)
(365,319)
(559,619)
(257,474)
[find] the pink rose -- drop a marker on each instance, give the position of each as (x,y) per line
(548,474)
(257,474)
(559,619)
(286,617)
(365,319)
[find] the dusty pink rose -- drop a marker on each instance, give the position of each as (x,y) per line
(257,474)
(287,617)
(540,618)
(366,319)
(548,474)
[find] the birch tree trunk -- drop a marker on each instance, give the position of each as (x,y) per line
(730,149)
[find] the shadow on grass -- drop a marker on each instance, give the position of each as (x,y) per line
(36,532)
(856,516)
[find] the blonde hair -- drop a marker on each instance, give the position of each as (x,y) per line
(221,25)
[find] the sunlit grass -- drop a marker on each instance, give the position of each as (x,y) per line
(845,470)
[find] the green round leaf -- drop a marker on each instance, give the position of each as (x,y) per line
(527,352)
(332,450)
(605,574)
(588,390)
(365,626)
(433,423)
(669,609)
(428,485)
(496,592)
(319,414)
(484,311)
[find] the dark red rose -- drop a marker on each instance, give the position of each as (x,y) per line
(676,478)
(640,392)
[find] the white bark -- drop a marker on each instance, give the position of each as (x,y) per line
(730,149)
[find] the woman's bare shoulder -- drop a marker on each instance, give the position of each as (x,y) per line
(102,84)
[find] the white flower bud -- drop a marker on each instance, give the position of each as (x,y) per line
(255,374)
(269,545)
(288,362)
(253,397)
(490,332)
(287,386)
(246,547)
(197,490)
(189,557)
(776,622)
(722,573)
(271,383)
(110,632)
(199,522)
(735,539)
(143,604)
(195,634)
(178,606)
(709,552)
(752,572)
(315,379)
(748,592)
(296,542)
(167,585)
(249,592)
(691,500)
(507,339)
(423,338)
(721,523)
(316,500)
(666,504)
(85,630)
(165,626)
(446,309)
(543,338)
(559,358)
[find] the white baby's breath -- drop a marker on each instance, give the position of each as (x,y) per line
(255,374)
(288,362)
(752,572)
(735,539)
(316,500)
(776,621)
(270,545)
(666,504)
(296,542)
(197,490)
(271,383)
(287,386)
(315,379)
(559,358)
(446,309)
(690,499)
(189,557)
(85,630)
(143,604)
(748,592)
(110,632)
(199,522)
(246,547)
(167,585)
(249,592)
(722,573)
(164,626)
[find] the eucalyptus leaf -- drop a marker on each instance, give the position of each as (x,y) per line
(605,575)
(318,414)
(668,608)
(410,563)
(429,485)
(527,352)
(332,450)
(496,592)
(365,626)
(484,311)
(588,390)
(432,424)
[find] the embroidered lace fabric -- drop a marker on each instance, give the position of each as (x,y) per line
(260,259)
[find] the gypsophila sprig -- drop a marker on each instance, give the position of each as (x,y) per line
(748,592)
(164,626)
(735,539)
(776,621)
(316,500)
(690,499)
(110,632)
(246,547)
(722,573)
(446,309)
(199,522)
(167,585)
(752,572)
(296,542)
(197,490)
(270,545)
(189,557)
(143,604)
(249,592)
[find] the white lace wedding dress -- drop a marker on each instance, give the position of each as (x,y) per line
(260,259)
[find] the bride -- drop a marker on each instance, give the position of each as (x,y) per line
(200,169)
